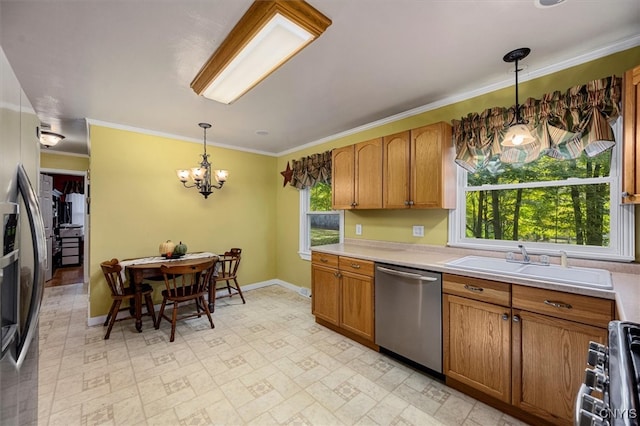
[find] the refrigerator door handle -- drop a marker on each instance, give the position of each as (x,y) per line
(38,236)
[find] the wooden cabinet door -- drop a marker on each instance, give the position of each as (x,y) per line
(342,177)
(477,345)
(631,139)
(433,178)
(368,174)
(357,304)
(549,359)
(396,171)
(325,293)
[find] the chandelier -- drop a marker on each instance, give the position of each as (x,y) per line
(201,176)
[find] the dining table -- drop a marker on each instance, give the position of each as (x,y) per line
(139,269)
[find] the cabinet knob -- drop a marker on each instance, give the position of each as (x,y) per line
(505,317)
(323,260)
(625,194)
(336,274)
(406,203)
(516,318)
(411,202)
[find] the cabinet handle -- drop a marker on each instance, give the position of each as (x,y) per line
(354,204)
(516,318)
(406,203)
(355,266)
(625,194)
(411,202)
(474,289)
(505,317)
(323,260)
(559,305)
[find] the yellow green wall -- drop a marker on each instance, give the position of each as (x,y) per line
(63,162)
(395,225)
(137,202)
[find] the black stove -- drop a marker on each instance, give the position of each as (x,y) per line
(610,394)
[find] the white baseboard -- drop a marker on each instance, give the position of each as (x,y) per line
(303,291)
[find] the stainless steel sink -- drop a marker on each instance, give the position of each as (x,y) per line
(577,276)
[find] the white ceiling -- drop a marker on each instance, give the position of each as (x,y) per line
(130,63)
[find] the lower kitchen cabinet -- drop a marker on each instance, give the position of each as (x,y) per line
(477,334)
(342,295)
(325,293)
(551,333)
(523,348)
(548,364)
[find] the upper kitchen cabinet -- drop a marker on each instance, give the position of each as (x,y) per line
(631,147)
(418,170)
(356,176)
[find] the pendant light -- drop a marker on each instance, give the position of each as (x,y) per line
(518,133)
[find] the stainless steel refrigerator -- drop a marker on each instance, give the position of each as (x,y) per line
(23,255)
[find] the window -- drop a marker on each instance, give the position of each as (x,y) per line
(548,205)
(318,223)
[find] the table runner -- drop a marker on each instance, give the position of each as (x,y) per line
(155,259)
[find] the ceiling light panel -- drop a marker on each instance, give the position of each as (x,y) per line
(268,35)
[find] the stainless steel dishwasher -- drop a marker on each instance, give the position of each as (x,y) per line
(408,313)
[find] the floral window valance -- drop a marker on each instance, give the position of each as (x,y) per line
(310,170)
(564,125)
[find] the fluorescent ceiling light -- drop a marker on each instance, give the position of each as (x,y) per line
(269,34)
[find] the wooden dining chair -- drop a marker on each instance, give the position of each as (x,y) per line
(120,292)
(185,283)
(228,274)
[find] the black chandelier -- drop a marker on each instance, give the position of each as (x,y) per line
(201,176)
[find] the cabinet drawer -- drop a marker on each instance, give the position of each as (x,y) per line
(573,307)
(324,259)
(473,288)
(358,266)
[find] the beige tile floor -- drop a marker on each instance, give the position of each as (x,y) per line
(265,363)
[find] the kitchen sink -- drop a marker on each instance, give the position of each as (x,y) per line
(584,277)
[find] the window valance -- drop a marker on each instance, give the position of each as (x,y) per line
(564,125)
(310,170)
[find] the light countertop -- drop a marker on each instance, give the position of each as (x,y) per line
(625,277)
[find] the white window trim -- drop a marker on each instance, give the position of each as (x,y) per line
(622,235)
(304,249)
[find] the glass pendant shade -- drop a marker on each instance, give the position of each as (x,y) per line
(517,135)
(221,175)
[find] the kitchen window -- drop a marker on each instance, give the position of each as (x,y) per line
(319,224)
(547,205)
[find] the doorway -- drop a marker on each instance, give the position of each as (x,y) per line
(68,209)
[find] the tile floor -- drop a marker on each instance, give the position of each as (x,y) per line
(265,363)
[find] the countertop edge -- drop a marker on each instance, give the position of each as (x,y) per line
(625,293)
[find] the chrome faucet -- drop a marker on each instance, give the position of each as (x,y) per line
(564,259)
(525,255)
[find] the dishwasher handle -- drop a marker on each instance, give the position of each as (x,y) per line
(406,274)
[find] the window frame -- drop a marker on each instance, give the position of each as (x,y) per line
(622,233)
(304,248)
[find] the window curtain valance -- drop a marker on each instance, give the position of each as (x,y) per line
(564,125)
(310,170)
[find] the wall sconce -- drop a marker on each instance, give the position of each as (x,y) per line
(201,176)
(269,34)
(49,139)
(518,134)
